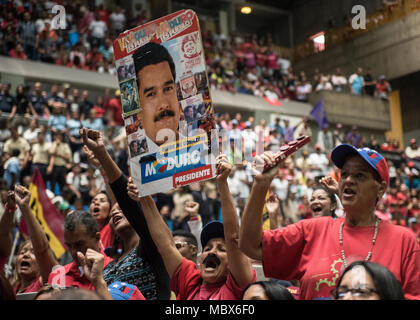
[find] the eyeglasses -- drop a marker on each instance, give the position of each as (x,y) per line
(181,244)
(360,293)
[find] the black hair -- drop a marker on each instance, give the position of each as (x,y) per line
(272,289)
(189,237)
(149,54)
(81,218)
(387,285)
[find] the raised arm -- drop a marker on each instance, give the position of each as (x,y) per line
(250,234)
(131,209)
(43,253)
(159,231)
(239,264)
(6,225)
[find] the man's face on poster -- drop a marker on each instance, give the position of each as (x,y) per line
(134,148)
(188,86)
(158,100)
(190,113)
(190,49)
(122,73)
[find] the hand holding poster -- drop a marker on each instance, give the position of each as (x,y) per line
(166,103)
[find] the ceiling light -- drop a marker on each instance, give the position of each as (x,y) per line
(246,10)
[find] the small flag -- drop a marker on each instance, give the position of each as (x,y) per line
(273,101)
(318,113)
(47,215)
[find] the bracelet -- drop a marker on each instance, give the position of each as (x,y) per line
(195,218)
(6,208)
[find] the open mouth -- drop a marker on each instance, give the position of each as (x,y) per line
(116,219)
(24,265)
(317,209)
(348,192)
(211,262)
(95,210)
(164,114)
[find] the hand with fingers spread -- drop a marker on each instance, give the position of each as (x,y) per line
(272,204)
(223,167)
(330,184)
(22,196)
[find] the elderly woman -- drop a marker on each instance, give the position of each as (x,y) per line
(315,251)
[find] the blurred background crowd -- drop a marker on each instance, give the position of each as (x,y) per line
(44,118)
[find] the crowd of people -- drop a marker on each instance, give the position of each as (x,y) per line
(244,64)
(30,30)
(253,65)
(81,176)
(336,220)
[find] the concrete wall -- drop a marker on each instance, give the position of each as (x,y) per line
(349,109)
(410,104)
(392,49)
(18,72)
(311,17)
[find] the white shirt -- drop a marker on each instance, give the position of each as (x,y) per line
(117,20)
(302,91)
(98,29)
(318,160)
(279,187)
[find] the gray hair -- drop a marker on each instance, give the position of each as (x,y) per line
(81,218)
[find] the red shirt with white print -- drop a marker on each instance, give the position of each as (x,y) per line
(310,251)
(71,275)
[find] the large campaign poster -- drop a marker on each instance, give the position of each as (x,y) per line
(166,103)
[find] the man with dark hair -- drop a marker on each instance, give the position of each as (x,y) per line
(81,237)
(186,243)
(155,75)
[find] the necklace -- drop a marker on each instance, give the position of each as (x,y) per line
(371,248)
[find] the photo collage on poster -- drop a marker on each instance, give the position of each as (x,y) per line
(166,103)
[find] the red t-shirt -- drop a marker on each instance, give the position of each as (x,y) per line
(115,105)
(414,212)
(392,202)
(309,251)
(100,112)
(14,54)
(187,284)
(69,276)
(35,286)
(107,237)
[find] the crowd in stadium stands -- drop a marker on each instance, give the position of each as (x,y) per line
(71,177)
(247,64)
(76,170)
